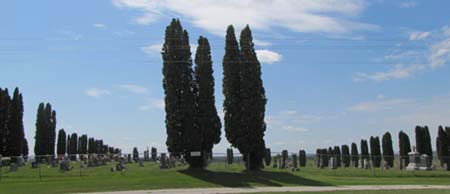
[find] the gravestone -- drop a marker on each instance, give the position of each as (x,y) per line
(129,160)
(34,164)
(414,160)
(402,164)
(367,164)
(425,162)
(163,161)
(13,167)
(361,163)
(20,161)
(120,166)
(64,165)
(141,163)
(333,163)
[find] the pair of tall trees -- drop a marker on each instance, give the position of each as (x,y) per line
(375,151)
(423,141)
(245,99)
(192,123)
(388,150)
(45,131)
(12,135)
(355,155)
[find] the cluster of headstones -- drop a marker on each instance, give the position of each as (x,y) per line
(284,162)
(13,166)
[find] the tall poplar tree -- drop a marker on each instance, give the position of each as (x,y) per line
(388,150)
(443,147)
(375,151)
(364,150)
(15,135)
(253,105)
(231,87)
(207,119)
(5,100)
(179,88)
(61,146)
(355,155)
(346,156)
(405,147)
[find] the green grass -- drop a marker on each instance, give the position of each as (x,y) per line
(26,180)
(375,192)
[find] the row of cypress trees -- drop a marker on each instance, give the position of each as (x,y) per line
(12,135)
(423,146)
(72,145)
(192,123)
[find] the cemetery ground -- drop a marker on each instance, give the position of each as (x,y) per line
(26,180)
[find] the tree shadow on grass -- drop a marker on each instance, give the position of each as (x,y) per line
(262,178)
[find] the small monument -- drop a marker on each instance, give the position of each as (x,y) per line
(141,163)
(34,164)
(417,161)
(333,163)
(163,161)
(367,164)
(294,162)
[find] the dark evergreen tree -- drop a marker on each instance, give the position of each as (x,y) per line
(338,155)
(375,151)
(73,147)
(83,146)
(135,155)
(183,134)
(423,141)
(154,154)
(15,135)
(39,145)
(231,88)
(207,119)
(364,150)
(251,142)
(443,147)
(284,159)
(346,156)
(61,145)
(355,155)
(388,150)
(50,130)
(302,158)
(268,157)
(5,100)
(91,146)
(405,147)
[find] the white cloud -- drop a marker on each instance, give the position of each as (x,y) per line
(408,4)
(98,25)
(324,16)
(261,43)
(155,49)
(294,129)
(417,35)
(379,104)
(396,72)
(440,54)
(96,92)
(134,88)
(152,49)
(267,56)
(153,104)
(436,55)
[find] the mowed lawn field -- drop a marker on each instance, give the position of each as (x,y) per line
(26,180)
(376,192)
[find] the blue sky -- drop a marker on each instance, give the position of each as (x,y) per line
(334,71)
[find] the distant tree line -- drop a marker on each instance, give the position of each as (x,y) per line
(72,145)
(12,134)
(192,122)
